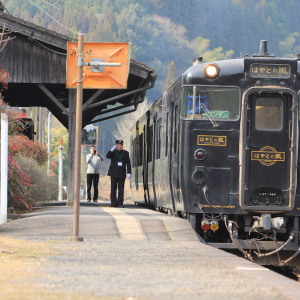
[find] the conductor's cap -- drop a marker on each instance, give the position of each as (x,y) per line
(119,142)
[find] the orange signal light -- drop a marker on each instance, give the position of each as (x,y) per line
(109,77)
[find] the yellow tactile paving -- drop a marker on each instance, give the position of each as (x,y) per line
(128,227)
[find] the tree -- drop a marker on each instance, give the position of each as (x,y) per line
(4,39)
(171,77)
(287,46)
(126,122)
(58,132)
(123,36)
(110,17)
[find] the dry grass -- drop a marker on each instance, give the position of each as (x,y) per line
(19,272)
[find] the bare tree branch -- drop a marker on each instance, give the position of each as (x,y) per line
(4,39)
(126,122)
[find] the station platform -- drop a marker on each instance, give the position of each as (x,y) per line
(134,253)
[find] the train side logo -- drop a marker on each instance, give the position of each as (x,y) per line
(267,156)
(211,140)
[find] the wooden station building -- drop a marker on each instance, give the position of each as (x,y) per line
(35,58)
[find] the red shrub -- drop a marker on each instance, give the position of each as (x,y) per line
(18,184)
(4,77)
(19,144)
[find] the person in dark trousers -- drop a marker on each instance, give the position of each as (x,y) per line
(93,160)
(120,161)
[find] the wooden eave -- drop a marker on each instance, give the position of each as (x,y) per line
(46,86)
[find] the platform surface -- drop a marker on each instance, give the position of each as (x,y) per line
(135,253)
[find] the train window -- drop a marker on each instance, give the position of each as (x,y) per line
(269,114)
(158,142)
(221,103)
(134,153)
(175,130)
(140,149)
(167,139)
(150,143)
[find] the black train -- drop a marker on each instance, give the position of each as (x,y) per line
(220,148)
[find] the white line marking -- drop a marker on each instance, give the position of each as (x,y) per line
(252,269)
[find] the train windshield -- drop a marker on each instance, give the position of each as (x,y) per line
(211,102)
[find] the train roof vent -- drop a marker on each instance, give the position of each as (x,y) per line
(263,50)
(197,61)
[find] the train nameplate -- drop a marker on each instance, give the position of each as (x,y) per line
(268,156)
(270,71)
(218,114)
(211,140)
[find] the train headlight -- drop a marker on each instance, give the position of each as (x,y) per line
(200,154)
(211,71)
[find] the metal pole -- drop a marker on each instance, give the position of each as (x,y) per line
(78,134)
(36,124)
(49,141)
(102,140)
(40,125)
(4,168)
(60,172)
(194,102)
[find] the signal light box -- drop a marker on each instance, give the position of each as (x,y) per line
(99,77)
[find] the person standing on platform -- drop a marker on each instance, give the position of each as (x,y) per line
(120,161)
(93,160)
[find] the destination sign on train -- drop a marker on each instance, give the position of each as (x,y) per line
(270,71)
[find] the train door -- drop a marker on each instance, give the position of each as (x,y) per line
(136,175)
(270,135)
(174,158)
(145,166)
(153,159)
(150,163)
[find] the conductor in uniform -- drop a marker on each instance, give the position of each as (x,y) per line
(120,161)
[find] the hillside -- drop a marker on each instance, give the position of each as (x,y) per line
(162,31)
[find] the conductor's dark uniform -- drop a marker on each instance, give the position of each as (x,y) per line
(120,161)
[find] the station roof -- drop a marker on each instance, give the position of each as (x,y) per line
(35,58)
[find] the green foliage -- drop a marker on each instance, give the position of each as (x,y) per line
(288,45)
(163,30)
(58,133)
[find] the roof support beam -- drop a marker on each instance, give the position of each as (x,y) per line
(52,98)
(135,104)
(92,99)
(110,117)
(107,101)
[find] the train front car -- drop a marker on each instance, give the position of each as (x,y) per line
(239,154)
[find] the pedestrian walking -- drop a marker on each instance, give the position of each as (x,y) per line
(93,160)
(120,161)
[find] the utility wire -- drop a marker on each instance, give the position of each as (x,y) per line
(51,17)
(29,35)
(50,4)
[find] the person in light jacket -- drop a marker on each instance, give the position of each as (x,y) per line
(93,161)
(120,163)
